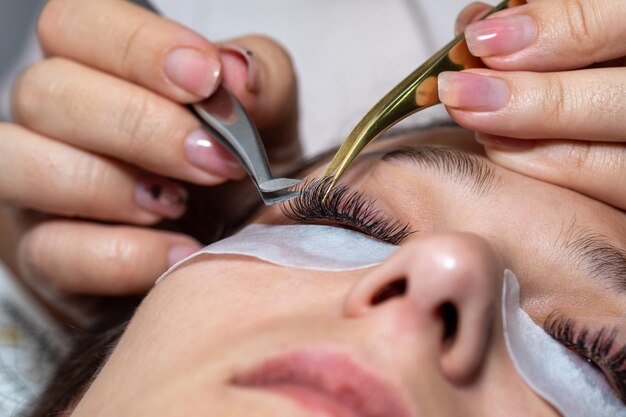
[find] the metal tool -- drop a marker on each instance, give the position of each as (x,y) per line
(416,92)
(227,122)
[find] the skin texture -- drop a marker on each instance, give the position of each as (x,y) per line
(101,135)
(552,100)
(217,317)
(88,116)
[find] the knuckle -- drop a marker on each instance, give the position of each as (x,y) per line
(121,254)
(94,177)
(50,20)
(31,255)
(555,103)
(34,85)
(139,123)
(130,48)
(48,254)
(581,20)
(578,157)
(565,102)
(26,93)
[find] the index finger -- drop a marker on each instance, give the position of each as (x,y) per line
(551,35)
(125,40)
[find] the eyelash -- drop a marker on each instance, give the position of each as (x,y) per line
(348,208)
(355,211)
(594,347)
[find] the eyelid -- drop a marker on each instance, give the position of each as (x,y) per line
(461,167)
(350,208)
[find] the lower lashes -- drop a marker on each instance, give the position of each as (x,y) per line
(598,348)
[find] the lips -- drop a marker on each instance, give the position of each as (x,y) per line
(326,382)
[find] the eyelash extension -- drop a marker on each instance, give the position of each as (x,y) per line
(349,208)
(594,347)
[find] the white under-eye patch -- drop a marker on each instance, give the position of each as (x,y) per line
(321,248)
(558,375)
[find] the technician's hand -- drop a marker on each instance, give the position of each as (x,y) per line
(102,133)
(557,74)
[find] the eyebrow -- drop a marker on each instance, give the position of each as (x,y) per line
(592,252)
(461,167)
(595,255)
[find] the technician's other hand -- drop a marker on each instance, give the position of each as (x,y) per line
(102,136)
(556,74)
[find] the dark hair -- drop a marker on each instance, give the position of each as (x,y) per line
(212,214)
(89,352)
(206,220)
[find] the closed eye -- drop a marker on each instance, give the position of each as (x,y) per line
(344,207)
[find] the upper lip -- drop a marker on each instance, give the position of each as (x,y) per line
(333,375)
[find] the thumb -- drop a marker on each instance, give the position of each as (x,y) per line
(595,169)
(471,13)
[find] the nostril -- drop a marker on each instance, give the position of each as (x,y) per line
(450,317)
(394,289)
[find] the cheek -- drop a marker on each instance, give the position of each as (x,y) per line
(183,394)
(206,307)
(503,382)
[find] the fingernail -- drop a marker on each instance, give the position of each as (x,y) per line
(179,252)
(161,197)
(207,154)
(471,91)
(245,56)
(500,36)
(193,71)
(501,143)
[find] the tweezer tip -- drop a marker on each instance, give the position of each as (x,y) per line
(330,181)
(278,184)
(270,199)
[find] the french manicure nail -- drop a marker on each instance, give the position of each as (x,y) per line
(500,36)
(473,92)
(193,71)
(207,154)
(501,143)
(179,252)
(252,65)
(161,197)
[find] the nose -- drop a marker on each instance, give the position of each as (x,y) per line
(443,286)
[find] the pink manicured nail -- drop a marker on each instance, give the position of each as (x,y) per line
(502,143)
(500,36)
(471,91)
(207,154)
(194,71)
(243,55)
(161,197)
(179,252)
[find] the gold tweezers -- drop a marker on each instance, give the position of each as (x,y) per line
(416,92)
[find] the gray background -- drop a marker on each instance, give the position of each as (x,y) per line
(16,20)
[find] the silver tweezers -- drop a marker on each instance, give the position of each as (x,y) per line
(227,122)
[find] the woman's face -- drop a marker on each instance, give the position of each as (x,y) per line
(419,335)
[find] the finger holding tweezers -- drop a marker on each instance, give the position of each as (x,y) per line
(229,123)
(416,92)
